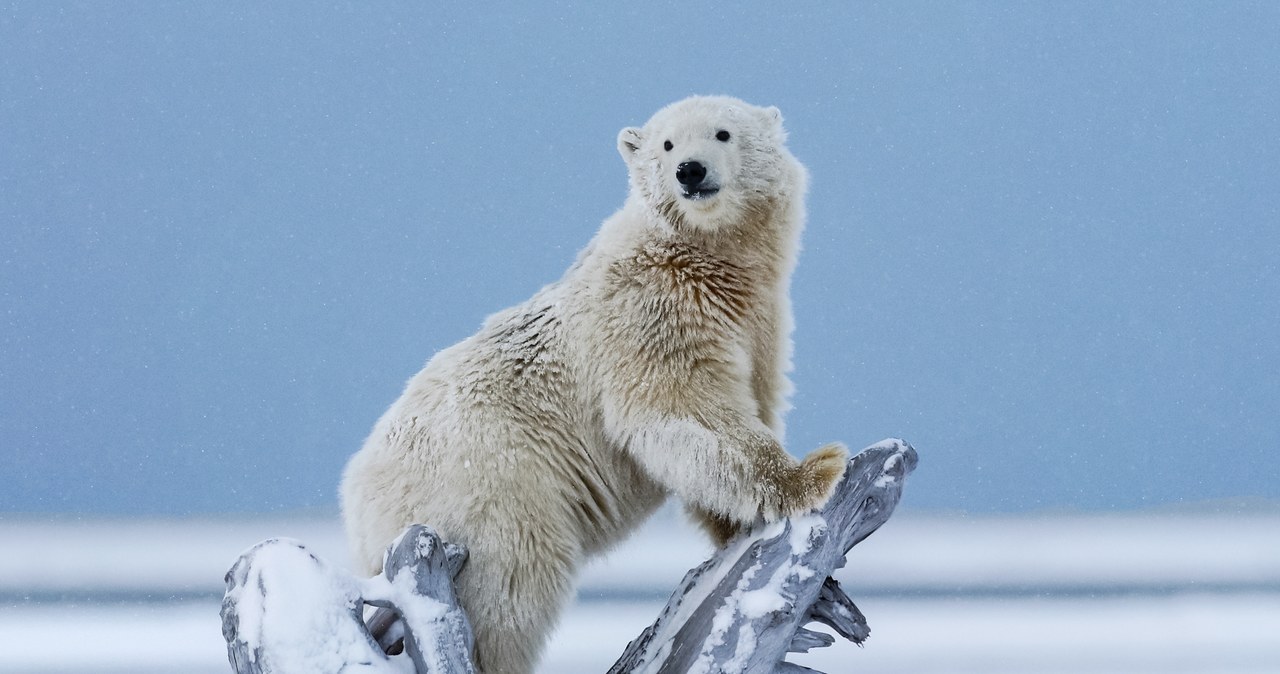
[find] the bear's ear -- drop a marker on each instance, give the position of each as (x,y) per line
(629,140)
(774,115)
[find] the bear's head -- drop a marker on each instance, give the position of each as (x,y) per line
(710,162)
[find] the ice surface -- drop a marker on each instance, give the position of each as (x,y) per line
(1195,633)
(1126,550)
(1079,594)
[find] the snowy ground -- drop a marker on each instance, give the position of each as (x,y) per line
(1063,594)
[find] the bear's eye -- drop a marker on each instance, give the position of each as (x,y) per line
(667,146)
(722,136)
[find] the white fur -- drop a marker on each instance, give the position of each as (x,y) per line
(655,366)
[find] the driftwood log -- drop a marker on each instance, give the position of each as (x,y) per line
(742,611)
(745,608)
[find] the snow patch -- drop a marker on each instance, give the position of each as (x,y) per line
(805,529)
(298,610)
(759,603)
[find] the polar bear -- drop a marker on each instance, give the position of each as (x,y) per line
(655,366)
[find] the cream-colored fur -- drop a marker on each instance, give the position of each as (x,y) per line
(655,366)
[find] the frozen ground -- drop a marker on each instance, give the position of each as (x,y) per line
(1063,594)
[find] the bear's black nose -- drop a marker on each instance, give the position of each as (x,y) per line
(690,173)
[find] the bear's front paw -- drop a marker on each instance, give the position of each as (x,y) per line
(815,479)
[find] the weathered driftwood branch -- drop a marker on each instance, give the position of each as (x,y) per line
(287,611)
(745,608)
(741,611)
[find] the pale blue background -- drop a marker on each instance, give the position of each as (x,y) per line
(1042,246)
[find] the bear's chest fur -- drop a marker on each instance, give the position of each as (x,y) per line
(684,296)
(669,308)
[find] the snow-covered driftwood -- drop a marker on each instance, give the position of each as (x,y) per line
(287,611)
(744,609)
(741,611)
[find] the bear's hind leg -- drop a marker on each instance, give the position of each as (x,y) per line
(513,596)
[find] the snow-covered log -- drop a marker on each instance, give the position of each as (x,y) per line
(744,609)
(741,611)
(287,611)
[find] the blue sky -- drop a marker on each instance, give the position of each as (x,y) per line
(1042,240)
